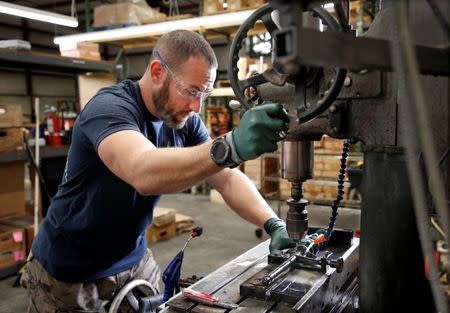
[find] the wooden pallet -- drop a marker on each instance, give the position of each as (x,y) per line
(155,234)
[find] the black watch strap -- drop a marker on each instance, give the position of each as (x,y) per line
(234,155)
(230,159)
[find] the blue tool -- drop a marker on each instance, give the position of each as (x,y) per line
(171,274)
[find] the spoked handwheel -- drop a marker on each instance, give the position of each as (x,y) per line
(244,89)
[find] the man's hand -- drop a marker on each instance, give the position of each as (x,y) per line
(280,240)
(259,130)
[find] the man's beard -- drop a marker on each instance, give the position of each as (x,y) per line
(169,116)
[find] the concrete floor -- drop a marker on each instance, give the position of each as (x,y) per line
(225,236)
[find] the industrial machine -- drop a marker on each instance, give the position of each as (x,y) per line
(389,89)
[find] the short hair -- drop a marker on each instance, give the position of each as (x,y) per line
(177,46)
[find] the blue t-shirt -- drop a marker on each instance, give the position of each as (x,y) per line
(95,226)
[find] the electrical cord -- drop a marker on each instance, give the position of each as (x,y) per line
(340,186)
(407,70)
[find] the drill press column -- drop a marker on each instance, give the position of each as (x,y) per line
(297,159)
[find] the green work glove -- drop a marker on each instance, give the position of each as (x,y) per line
(279,237)
(259,130)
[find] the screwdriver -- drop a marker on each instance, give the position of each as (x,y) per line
(207,299)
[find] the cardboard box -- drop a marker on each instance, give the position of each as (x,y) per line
(184,223)
(80,54)
(12,189)
(25,222)
(123,14)
(80,50)
(155,234)
(12,246)
(163,217)
(11,139)
(10,115)
(89,85)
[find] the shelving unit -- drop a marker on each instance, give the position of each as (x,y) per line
(211,26)
(49,62)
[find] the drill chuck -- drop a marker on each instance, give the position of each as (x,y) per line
(297,218)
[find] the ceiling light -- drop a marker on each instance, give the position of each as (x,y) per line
(39,15)
(156,29)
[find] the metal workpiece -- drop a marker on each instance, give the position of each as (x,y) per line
(297,159)
(297,218)
(279,271)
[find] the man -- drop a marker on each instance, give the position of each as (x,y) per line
(133,142)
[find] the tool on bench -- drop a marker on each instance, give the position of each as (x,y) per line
(172,273)
(207,299)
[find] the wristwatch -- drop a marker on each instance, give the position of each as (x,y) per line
(223,153)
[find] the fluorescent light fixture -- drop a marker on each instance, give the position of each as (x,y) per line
(39,15)
(142,31)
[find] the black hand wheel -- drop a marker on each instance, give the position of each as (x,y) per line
(240,86)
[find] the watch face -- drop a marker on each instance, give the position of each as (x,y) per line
(220,151)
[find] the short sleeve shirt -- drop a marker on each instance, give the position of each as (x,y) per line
(96,223)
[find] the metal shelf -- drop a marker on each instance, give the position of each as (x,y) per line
(41,61)
(215,26)
(44,153)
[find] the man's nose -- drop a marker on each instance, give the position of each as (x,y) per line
(196,104)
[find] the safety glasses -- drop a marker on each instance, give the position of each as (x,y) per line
(183,88)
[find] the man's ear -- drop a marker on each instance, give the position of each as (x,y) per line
(156,71)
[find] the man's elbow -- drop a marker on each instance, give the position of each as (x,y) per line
(151,188)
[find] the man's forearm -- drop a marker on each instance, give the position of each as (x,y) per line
(242,196)
(168,170)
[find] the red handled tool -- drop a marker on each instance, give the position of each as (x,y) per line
(207,299)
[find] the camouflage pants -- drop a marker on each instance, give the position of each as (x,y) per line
(50,295)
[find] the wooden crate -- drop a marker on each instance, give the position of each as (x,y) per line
(324,189)
(25,222)
(12,188)
(327,166)
(10,115)
(12,246)
(11,139)
(163,216)
(155,234)
(328,145)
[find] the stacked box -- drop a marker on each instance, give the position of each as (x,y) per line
(155,234)
(126,14)
(11,138)
(12,189)
(81,50)
(327,166)
(323,189)
(328,145)
(163,216)
(12,246)
(25,222)
(10,115)
(163,225)
(285,188)
(264,173)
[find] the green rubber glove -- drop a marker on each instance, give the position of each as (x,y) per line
(259,130)
(279,237)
